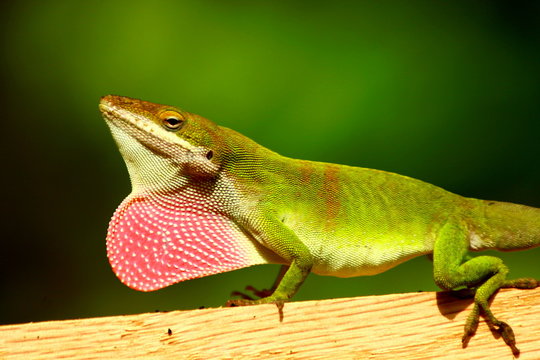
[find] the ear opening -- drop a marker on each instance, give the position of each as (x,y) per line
(201,164)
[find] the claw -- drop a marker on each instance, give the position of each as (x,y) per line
(257,293)
(508,336)
(470,330)
(471,325)
(242,295)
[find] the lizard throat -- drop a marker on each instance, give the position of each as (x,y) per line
(155,240)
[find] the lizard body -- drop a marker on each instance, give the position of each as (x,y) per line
(207,199)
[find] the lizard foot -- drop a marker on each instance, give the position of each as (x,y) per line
(245,302)
(258,293)
(471,325)
(507,334)
(523,283)
(267,300)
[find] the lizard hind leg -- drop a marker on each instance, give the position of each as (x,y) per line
(453,269)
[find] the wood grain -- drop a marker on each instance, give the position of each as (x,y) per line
(397,326)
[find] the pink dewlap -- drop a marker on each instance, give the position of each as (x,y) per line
(155,241)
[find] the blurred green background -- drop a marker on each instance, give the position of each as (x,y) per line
(447,92)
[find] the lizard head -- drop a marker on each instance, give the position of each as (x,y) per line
(173,227)
(161,145)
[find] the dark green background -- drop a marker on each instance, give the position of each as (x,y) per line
(447,92)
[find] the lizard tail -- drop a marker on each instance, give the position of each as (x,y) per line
(507,227)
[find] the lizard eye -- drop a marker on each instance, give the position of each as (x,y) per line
(172,120)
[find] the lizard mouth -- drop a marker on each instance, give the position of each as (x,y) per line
(138,126)
(133,120)
(120,116)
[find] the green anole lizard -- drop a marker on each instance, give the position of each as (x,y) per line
(206,199)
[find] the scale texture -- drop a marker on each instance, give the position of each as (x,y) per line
(155,241)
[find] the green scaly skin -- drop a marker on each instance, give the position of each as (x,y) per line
(325,218)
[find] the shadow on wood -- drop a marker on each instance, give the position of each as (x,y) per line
(450,305)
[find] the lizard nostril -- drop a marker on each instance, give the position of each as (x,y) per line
(210,155)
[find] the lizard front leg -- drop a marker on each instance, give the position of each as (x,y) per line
(263,292)
(283,241)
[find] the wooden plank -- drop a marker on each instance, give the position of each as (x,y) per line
(404,326)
